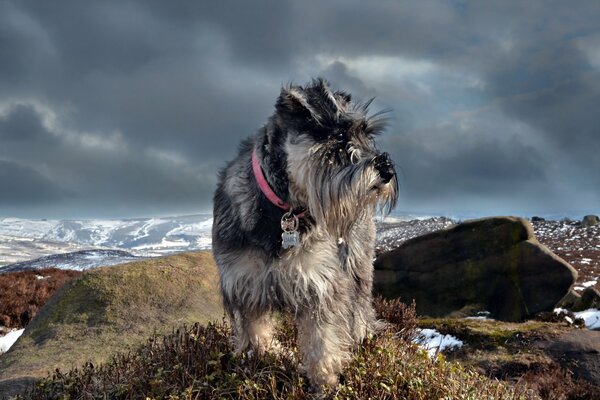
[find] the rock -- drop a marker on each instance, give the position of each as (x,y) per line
(537,219)
(14,387)
(590,220)
(590,298)
(579,352)
(574,301)
(571,299)
(494,262)
(111,310)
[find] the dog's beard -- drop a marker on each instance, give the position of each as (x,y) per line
(337,196)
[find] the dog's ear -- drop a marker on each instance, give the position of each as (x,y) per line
(293,100)
(325,98)
(347,97)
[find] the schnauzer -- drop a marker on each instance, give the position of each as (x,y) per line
(293,226)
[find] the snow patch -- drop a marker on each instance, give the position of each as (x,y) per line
(9,339)
(591,318)
(481,315)
(434,342)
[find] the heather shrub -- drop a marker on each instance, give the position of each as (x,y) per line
(22,294)
(197,363)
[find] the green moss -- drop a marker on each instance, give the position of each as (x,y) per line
(500,349)
(490,334)
(79,303)
(114,309)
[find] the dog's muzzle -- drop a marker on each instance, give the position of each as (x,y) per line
(384,167)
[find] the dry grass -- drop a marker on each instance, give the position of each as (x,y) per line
(22,294)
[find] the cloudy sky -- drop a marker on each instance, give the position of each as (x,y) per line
(128,108)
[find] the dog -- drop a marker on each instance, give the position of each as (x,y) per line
(294,228)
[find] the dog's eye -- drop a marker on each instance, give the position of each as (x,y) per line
(319,134)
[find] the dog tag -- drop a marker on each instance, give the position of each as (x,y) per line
(290,236)
(290,239)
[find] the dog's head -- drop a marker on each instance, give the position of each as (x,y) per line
(333,165)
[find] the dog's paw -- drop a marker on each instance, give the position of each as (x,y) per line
(279,350)
(317,393)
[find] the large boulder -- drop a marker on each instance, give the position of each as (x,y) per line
(113,310)
(493,264)
(590,220)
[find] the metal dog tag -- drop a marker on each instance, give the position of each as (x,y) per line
(290,236)
(290,239)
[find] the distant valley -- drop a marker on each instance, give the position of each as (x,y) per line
(22,240)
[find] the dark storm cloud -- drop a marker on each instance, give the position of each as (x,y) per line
(23,123)
(567,113)
(88,174)
(128,67)
(130,107)
(25,186)
(555,89)
(494,165)
(547,79)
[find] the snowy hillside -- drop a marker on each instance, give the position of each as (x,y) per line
(22,239)
(83,244)
(16,248)
(77,260)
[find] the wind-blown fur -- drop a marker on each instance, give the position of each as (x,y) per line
(317,153)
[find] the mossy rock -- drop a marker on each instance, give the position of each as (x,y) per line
(503,350)
(495,264)
(507,350)
(114,309)
(491,334)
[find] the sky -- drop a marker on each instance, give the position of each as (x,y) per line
(121,109)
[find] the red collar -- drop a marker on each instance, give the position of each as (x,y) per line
(265,188)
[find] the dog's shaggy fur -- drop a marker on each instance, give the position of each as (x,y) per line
(317,154)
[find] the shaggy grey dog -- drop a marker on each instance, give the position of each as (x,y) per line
(293,226)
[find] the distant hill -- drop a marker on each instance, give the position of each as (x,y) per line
(78,260)
(28,239)
(142,236)
(114,309)
(83,244)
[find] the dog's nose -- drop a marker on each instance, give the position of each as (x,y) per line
(384,166)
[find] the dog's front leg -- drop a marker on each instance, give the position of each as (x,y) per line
(364,319)
(325,344)
(360,262)
(254,332)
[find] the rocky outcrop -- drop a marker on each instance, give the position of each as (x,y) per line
(492,264)
(590,220)
(589,298)
(578,351)
(113,309)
